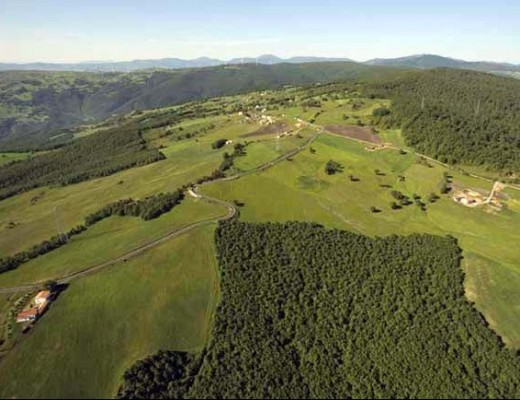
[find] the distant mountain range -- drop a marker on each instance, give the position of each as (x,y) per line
(415,61)
(164,63)
(434,61)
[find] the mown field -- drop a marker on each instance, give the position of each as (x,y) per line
(102,323)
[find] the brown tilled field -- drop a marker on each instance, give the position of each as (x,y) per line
(272,129)
(355,132)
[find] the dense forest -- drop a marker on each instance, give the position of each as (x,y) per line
(307,312)
(97,155)
(458,116)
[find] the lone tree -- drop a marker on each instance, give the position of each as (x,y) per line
(219,144)
(332,167)
(381,112)
(432,198)
(395,206)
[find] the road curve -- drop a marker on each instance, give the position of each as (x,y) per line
(232,212)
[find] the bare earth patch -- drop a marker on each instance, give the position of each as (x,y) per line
(276,128)
(355,132)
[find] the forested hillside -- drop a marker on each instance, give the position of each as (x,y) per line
(36,106)
(94,156)
(314,313)
(458,116)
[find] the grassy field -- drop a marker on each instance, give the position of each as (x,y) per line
(41,213)
(109,239)
(162,300)
(8,157)
(300,190)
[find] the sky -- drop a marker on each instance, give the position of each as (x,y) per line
(116,30)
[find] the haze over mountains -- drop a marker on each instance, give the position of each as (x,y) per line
(414,61)
(166,63)
(435,61)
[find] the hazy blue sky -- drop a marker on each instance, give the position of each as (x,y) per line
(63,30)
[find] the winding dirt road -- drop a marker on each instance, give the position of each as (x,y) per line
(232,212)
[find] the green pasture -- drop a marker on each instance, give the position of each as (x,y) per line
(107,240)
(300,190)
(41,213)
(101,324)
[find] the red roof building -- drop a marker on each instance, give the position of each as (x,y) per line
(28,315)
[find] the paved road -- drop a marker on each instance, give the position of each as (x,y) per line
(232,212)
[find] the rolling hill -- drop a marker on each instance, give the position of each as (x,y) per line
(35,107)
(435,61)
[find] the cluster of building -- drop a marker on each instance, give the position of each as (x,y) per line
(469,198)
(36,308)
(472,198)
(262,118)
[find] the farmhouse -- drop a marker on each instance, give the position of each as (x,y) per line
(469,198)
(28,315)
(38,307)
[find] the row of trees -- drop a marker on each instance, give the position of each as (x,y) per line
(94,156)
(227,163)
(307,312)
(55,242)
(148,208)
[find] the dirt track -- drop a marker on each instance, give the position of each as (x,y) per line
(232,212)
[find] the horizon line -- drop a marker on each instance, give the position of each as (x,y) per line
(343,58)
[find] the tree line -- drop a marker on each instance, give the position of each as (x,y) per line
(12,262)
(148,208)
(94,156)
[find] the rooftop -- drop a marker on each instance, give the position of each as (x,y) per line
(31,312)
(44,294)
